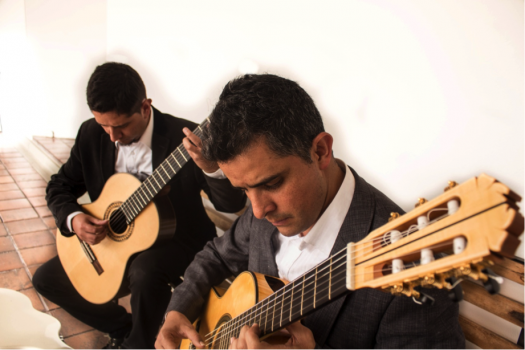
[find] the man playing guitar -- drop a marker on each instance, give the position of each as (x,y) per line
(129,135)
(268,137)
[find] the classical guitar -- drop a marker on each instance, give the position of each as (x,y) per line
(455,236)
(137,220)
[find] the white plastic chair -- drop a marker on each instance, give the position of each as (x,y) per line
(21,326)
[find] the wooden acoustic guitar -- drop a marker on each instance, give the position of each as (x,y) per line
(455,236)
(137,220)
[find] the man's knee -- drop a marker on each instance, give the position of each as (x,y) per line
(39,280)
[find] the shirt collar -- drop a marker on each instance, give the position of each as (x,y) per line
(330,222)
(147,136)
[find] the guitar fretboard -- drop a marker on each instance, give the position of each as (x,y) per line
(158,179)
(292,302)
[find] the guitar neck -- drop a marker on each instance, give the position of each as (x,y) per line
(316,288)
(447,237)
(158,179)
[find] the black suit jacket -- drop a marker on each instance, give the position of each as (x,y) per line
(92,162)
(365,318)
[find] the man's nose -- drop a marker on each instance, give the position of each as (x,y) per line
(114,135)
(261,205)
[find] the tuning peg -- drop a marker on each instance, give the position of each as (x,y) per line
(492,284)
(456,292)
(420,201)
(393,216)
(451,184)
(425,299)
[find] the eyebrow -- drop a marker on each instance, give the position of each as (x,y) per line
(264,181)
(115,126)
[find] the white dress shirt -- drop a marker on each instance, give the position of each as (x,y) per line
(296,255)
(136,159)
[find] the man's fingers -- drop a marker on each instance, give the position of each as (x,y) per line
(192,137)
(193,336)
(98,222)
(252,337)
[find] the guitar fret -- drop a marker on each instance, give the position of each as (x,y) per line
(273,314)
(161,179)
(174,172)
(125,210)
(330,281)
(176,160)
(133,205)
(315,285)
(156,182)
(291,301)
(266,317)
(302,294)
(162,166)
(140,196)
(146,185)
(282,309)
(182,154)
(260,315)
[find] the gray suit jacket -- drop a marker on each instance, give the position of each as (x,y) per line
(365,318)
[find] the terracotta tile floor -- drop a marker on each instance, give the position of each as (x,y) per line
(27,237)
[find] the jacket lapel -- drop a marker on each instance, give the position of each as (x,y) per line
(159,141)
(356,225)
(107,156)
(267,260)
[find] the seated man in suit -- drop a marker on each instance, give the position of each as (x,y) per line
(127,134)
(268,137)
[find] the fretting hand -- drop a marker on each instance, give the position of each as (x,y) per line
(300,337)
(194,148)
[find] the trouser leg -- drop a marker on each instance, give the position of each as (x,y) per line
(150,275)
(52,282)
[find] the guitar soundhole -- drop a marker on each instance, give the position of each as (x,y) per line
(119,230)
(117,222)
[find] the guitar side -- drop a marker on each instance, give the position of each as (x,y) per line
(111,254)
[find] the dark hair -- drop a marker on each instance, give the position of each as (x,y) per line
(265,105)
(115,87)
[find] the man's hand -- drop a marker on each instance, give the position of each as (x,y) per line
(89,229)
(300,338)
(177,327)
(193,145)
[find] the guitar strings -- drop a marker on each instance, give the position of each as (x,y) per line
(228,328)
(273,298)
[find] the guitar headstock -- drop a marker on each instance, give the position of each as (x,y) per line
(458,234)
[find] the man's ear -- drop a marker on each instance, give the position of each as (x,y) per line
(322,149)
(146,107)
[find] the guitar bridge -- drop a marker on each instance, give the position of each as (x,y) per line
(91,257)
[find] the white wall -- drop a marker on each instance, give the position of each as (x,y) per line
(58,43)
(414,92)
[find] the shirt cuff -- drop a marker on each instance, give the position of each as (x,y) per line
(218,174)
(70,219)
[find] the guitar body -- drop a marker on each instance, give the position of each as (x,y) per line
(155,222)
(247,290)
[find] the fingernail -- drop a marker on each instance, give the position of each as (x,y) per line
(185,130)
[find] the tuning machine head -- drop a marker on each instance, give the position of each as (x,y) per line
(393,216)
(451,184)
(420,201)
